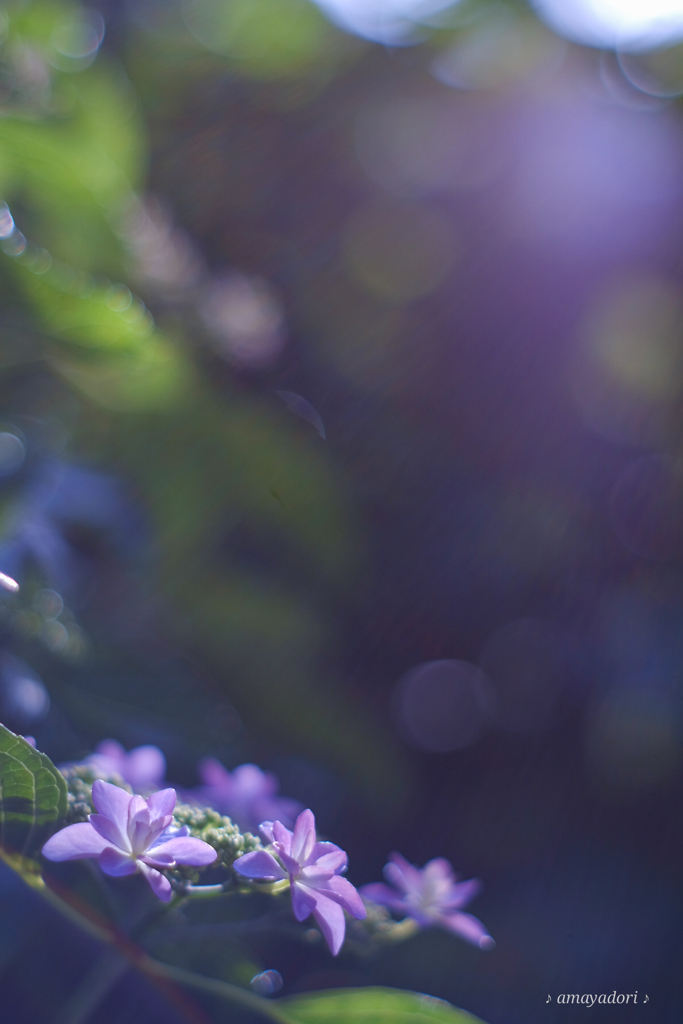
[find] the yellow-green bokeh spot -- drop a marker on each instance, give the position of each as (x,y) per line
(264,38)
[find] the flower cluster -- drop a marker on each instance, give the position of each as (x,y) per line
(430,896)
(130,834)
(172,843)
(144,768)
(314,870)
(247,794)
(218,831)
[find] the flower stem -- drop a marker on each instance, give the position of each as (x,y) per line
(223,989)
(154,969)
(93,988)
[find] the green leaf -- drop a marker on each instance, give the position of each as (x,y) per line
(32,801)
(116,356)
(371,1006)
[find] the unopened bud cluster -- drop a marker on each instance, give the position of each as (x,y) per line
(218,831)
(79,780)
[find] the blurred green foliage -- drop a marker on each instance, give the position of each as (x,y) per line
(268,38)
(73,154)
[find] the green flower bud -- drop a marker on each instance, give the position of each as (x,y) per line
(218,831)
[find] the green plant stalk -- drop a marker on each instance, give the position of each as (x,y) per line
(93,988)
(155,969)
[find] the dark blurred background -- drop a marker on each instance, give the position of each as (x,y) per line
(341,368)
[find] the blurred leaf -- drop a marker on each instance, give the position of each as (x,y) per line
(82,315)
(32,801)
(371,1006)
(114,355)
(29,870)
(213,465)
(72,158)
(149,379)
(35,21)
(266,38)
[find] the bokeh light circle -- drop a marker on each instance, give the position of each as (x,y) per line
(399,253)
(628,364)
(12,453)
(80,35)
(658,73)
(244,318)
(76,39)
(392,22)
(627,24)
(23,695)
(418,145)
(440,706)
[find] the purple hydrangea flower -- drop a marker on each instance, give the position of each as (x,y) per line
(314,871)
(130,834)
(432,896)
(248,795)
(142,768)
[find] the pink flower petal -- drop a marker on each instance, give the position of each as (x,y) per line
(110,831)
(469,928)
(250,781)
(213,773)
(141,832)
(383,894)
(403,875)
(184,850)
(259,864)
(266,830)
(281,808)
(160,885)
(282,836)
(303,901)
(144,767)
(314,876)
(331,921)
(291,865)
(113,802)
(342,892)
(137,808)
(114,862)
(161,804)
(303,838)
(327,857)
(461,894)
(114,752)
(157,857)
(75,842)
